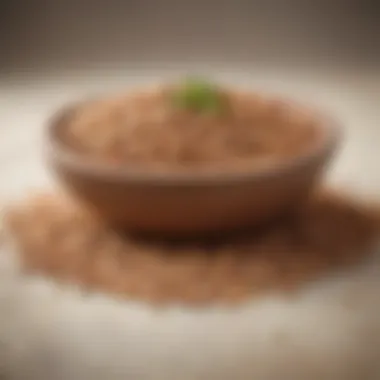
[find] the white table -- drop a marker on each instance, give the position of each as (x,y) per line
(331,331)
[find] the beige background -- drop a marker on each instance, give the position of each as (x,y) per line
(60,33)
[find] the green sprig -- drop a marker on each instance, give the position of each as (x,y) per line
(198,95)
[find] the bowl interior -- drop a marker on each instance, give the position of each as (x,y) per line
(328,137)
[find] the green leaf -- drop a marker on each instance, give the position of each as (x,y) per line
(198,95)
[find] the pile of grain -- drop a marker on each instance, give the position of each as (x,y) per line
(58,238)
(146,129)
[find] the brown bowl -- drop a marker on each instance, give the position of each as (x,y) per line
(188,204)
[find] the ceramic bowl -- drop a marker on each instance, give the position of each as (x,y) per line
(189,203)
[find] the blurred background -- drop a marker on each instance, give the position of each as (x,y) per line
(325,52)
(45,35)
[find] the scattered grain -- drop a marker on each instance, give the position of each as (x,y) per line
(58,238)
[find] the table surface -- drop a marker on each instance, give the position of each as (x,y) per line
(331,332)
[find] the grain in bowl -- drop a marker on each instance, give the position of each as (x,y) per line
(193,125)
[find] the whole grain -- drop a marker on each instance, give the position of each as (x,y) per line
(145,128)
(57,238)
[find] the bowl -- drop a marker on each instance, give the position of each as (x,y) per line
(188,204)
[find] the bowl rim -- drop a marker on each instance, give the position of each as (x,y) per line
(330,137)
